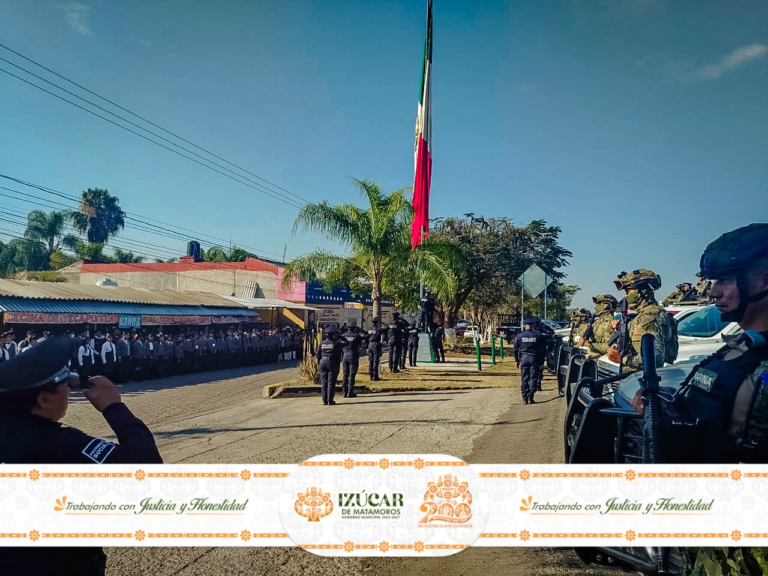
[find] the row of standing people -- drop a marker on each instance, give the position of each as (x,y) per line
(341,349)
(130,355)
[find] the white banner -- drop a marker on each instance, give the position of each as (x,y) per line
(386,505)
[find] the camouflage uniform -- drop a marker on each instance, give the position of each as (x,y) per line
(702,290)
(725,562)
(675,297)
(602,329)
(651,319)
(579,320)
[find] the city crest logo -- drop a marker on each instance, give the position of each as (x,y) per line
(313,504)
(447,500)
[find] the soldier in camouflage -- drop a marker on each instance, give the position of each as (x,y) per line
(602,328)
(702,289)
(640,286)
(675,297)
(579,320)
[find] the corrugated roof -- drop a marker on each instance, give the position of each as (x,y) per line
(66,291)
(44,305)
(265,303)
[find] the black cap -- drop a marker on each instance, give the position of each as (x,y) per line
(35,367)
(532,320)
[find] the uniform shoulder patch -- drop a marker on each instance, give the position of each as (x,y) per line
(98,450)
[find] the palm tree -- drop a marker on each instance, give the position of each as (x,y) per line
(378,242)
(99,217)
(220,254)
(49,229)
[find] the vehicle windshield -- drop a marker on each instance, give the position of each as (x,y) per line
(703,323)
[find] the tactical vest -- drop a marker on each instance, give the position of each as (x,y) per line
(698,417)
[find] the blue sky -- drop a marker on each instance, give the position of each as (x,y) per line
(638,126)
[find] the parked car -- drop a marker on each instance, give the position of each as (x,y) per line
(472,332)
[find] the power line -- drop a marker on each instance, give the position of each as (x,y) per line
(138,126)
(290,202)
(150,227)
(147,121)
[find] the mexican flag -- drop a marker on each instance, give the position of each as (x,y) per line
(422,147)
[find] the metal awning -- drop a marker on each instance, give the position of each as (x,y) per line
(267,303)
(50,306)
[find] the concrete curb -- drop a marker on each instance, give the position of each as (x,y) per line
(282,389)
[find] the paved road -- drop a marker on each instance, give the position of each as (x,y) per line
(227,420)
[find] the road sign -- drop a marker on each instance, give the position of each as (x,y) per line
(534,280)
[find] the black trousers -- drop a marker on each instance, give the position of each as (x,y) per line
(394,357)
(527,376)
(403,353)
(413,350)
(374,359)
(326,380)
(350,371)
(437,346)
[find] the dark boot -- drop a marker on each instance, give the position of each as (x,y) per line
(531,401)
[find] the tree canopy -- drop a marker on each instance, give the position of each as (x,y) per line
(99,217)
(377,246)
(495,252)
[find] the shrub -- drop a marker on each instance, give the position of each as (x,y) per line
(309,370)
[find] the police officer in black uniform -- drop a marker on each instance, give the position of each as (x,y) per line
(529,347)
(413,344)
(375,334)
(437,343)
(34,394)
(404,327)
(328,357)
(426,312)
(394,340)
(351,358)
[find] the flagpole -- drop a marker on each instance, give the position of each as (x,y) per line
(421,272)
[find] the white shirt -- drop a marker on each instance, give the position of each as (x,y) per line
(85,350)
(106,348)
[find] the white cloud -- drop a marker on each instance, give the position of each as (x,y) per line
(736,58)
(78,16)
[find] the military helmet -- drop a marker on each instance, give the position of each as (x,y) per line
(605,299)
(581,314)
(638,278)
(734,251)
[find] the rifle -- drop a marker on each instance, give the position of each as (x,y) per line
(590,331)
(621,337)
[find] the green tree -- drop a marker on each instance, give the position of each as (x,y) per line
(50,229)
(23,254)
(91,251)
(126,257)
(59,260)
(221,254)
(377,243)
(495,253)
(99,216)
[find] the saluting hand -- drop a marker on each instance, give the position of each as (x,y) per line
(103,394)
